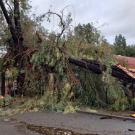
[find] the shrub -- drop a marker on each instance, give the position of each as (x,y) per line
(120,104)
(7,100)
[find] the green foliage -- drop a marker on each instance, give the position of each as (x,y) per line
(116,98)
(88,33)
(91,90)
(130,51)
(50,102)
(12,73)
(131,104)
(7,100)
(49,76)
(100,91)
(25,5)
(120,41)
(50,55)
(32,84)
(120,104)
(94,90)
(1,102)
(120,45)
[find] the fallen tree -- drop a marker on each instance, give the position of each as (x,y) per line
(98,68)
(92,65)
(122,75)
(18,48)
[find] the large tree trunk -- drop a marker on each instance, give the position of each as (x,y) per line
(3,83)
(17,49)
(9,21)
(121,75)
(92,65)
(20,47)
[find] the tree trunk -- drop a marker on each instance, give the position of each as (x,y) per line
(92,65)
(3,83)
(9,21)
(17,36)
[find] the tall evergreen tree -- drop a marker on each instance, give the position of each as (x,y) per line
(120,45)
(88,33)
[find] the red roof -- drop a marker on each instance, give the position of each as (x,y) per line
(127,64)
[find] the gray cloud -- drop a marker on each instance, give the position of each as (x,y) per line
(117,15)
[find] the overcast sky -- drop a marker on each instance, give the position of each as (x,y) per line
(110,16)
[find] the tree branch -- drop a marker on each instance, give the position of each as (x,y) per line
(9,21)
(17,16)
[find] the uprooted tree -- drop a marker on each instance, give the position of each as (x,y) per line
(45,60)
(17,49)
(19,54)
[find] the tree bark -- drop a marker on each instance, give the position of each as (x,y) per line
(92,65)
(121,75)
(3,83)
(20,47)
(17,36)
(9,21)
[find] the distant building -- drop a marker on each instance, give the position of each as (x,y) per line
(127,64)
(124,70)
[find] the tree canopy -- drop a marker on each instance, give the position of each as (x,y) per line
(122,48)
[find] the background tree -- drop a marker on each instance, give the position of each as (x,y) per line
(120,45)
(88,33)
(130,50)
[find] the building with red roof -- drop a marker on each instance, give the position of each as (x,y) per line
(127,64)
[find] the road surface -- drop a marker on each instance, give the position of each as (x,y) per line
(78,122)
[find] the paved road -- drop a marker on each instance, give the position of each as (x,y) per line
(83,123)
(13,128)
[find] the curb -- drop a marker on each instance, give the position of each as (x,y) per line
(124,118)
